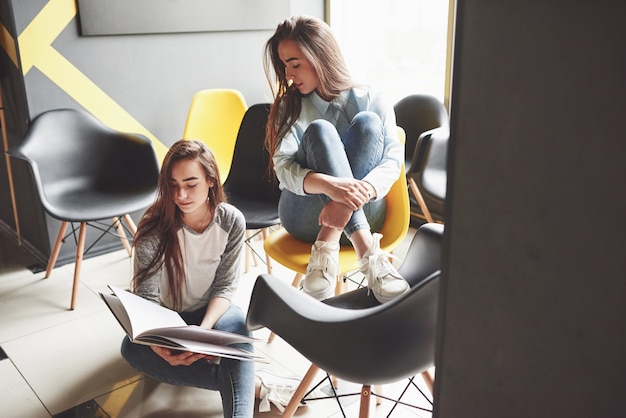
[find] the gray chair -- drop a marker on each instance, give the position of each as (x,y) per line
(86,173)
(351,336)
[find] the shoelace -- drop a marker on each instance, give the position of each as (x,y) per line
(321,261)
(379,267)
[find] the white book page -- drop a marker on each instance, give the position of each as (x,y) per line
(145,315)
(202,335)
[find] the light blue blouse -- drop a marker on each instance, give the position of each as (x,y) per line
(340,111)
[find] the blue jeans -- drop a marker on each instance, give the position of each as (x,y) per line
(234,379)
(324,151)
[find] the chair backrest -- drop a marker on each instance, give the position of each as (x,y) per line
(214,118)
(71,150)
(432,177)
(416,114)
(249,174)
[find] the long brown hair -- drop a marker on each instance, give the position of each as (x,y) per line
(163,218)
(319,46)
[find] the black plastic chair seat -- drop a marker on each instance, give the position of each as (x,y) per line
(82,203)
(258,213)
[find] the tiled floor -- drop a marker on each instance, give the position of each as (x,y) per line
(60,363)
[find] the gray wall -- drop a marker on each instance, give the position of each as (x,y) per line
(533,310)
(152,77)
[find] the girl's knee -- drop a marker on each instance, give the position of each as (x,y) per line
(320,132)
(367,118)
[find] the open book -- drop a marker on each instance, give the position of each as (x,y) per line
(148,323)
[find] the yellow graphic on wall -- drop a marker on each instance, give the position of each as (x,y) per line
(35,44)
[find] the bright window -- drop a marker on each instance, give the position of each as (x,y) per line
(397,46)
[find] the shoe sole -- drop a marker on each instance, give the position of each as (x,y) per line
(320,295)
(382,299)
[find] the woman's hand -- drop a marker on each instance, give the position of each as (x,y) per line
(351,192)
(346,190)
(180,358)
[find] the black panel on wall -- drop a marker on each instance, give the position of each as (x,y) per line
(117,17)
(27,228)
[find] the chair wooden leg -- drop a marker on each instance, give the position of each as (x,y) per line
(268,260)
(131,225)
(379,390)
(297,279)
(302,389)
(55,250)
(364,410)
(248,252)
(429,380)
(341,285)
(120,231)
(80,246)
(420,199)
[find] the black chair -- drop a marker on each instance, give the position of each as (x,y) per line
(418,115)
(249,186)
(351,336)
(86,172)
(428,184)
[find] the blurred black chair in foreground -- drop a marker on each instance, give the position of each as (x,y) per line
(351,336)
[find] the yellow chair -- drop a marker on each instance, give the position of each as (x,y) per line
(295,254)
(214,118)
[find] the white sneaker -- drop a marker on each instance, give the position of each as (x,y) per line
(276,389)
(382,277)
(323,270)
